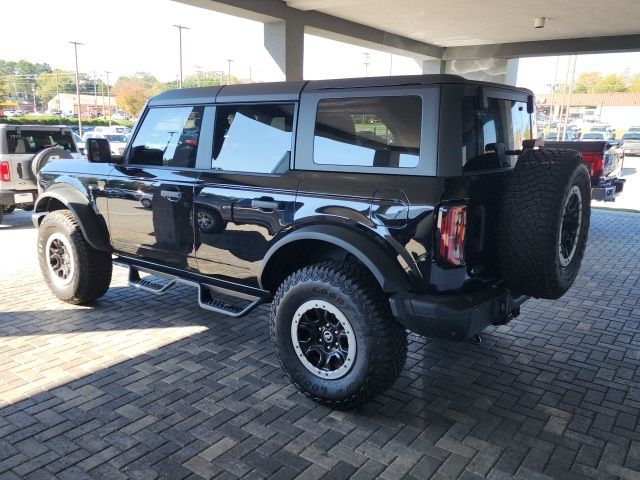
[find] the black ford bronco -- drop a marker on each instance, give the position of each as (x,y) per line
(359,208)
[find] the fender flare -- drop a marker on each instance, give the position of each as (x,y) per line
(383,266)
(93,230)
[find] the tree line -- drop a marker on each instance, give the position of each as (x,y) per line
(22,81)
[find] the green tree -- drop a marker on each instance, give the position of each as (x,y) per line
(634,83)
(50,83)
(611,83)
(587,82)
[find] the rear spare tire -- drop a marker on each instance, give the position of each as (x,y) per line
(43,157)
(544,222)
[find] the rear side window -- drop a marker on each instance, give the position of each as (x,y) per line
(167,137)
(32,141)
(253,138)
(368,132)
(504,124)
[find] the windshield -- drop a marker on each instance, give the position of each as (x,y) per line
(631,136)
(32,141)
(592,136)
(116,138)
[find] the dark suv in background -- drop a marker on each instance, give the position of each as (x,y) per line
(359,208)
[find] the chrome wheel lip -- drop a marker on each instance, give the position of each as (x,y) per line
(60,262)
(345,368)
(566,258)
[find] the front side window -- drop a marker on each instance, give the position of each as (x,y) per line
(368,132)
(32,141)
(504,124)
(253,138)
(167,137)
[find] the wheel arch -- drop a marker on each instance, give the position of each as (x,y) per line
(93,228)
(317,243)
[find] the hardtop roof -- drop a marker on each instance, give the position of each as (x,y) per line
(290,91)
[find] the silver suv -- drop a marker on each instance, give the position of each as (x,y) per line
(24,149)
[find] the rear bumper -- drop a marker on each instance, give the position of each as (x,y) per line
(455,316)
(7,197)
(607,192)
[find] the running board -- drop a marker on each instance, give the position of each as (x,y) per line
(206,293)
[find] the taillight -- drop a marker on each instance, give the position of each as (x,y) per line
(452,225)
(595,163)
(5,173)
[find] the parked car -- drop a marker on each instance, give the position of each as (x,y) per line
(359,208)
(596,136)
(634,129)
(631,143)
(117,142)
(24,150)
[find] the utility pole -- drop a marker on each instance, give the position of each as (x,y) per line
(553,94)
(229,71)
(95,95)
(250,79)
(199,73)
(366,64)
(572,62)
(108,97)
(58,94)
(390,64)
(75,47)
(35,106)
(180,28)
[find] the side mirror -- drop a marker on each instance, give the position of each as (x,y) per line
(98,150)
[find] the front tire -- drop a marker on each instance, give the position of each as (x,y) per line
(335,336)
(74,271)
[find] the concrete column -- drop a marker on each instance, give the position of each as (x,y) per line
(499,70)
(284,40)
(433,66)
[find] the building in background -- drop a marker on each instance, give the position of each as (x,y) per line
(618,109)
(90,105)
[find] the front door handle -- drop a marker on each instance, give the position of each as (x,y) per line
(267,204)
(171,195)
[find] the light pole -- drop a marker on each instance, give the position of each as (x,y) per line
(229,71)
(108,97)
(366,64)
(180,28)
(75,47)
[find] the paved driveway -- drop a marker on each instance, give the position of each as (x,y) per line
(140,387)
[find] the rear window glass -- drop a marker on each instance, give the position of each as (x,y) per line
(32,141)
(369,132)
(631,136)
(504,124)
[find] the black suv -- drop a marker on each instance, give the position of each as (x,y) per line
(359,208)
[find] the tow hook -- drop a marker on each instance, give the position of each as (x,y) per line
(475,340)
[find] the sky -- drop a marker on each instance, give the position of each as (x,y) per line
(128,36)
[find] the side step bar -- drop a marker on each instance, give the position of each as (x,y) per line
(206,293)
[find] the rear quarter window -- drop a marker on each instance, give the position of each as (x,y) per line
(368,132)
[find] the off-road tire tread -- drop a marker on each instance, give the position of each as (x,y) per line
(93,266)
(390,337)
(529,208)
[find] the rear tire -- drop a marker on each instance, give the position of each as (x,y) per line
(74,271)
(358,350)
(544,222)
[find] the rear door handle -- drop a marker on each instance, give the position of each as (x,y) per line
(267,204)
(171,195)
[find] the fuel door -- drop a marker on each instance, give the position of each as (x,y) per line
(389,208)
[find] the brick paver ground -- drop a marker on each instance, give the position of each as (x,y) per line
(146,387)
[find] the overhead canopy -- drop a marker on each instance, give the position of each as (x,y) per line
(456,33)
